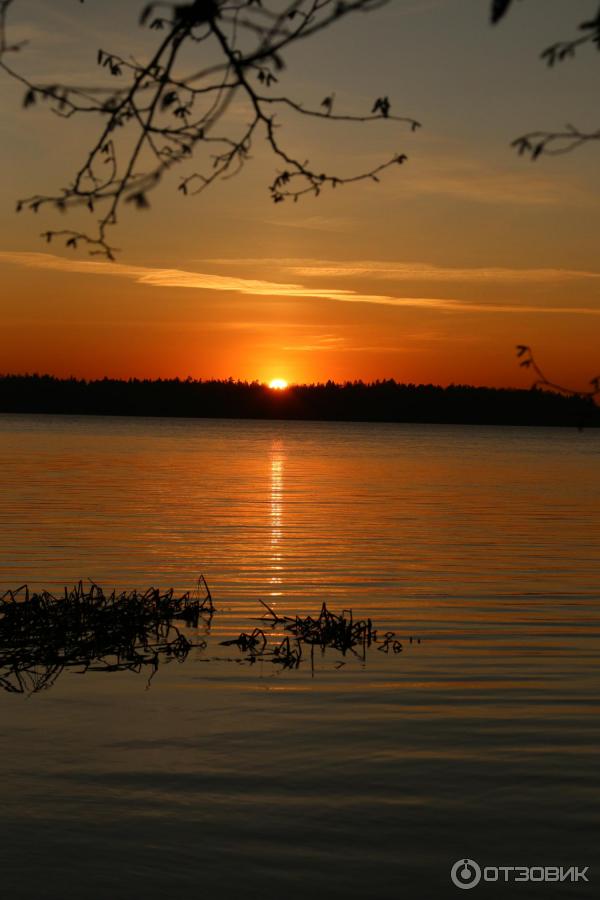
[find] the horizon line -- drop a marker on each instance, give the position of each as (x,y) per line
(245,382)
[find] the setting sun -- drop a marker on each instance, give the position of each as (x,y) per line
(278,384)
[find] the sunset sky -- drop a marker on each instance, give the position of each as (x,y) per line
(432,275)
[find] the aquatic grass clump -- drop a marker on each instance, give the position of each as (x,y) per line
(41,634)
(329,630)
(86,630)
(340,632)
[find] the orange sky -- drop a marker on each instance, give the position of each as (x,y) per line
(433,275)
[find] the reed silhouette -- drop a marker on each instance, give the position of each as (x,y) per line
(86,630)
(294,635)
(42,635)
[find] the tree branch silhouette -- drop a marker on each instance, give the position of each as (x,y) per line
(169,108)
(555,143)
(528,361)
(569,138)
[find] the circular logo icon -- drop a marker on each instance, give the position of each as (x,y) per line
(465,874)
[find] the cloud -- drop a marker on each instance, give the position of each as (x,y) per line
(374,348)
(319,343)
(412,271)
(497,188)
(314,223)
(179,278)
(449,172)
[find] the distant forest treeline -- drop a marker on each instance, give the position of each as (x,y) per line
(379,401)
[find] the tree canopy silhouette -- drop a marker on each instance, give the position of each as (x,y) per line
(183,102)
(380,401)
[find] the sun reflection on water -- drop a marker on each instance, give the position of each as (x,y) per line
(277,473)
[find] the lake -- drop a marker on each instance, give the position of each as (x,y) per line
(348,777)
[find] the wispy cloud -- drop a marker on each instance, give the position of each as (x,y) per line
(411,271)
(314,223)
(502,189)
(179,278)
(491,182)
(319,343)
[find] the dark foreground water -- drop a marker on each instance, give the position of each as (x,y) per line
(225,779)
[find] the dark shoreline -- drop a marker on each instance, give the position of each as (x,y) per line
(384,401)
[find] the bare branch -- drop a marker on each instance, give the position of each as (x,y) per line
(555,143)
(159,116)
(528,361)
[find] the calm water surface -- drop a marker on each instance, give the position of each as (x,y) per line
(225,780)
